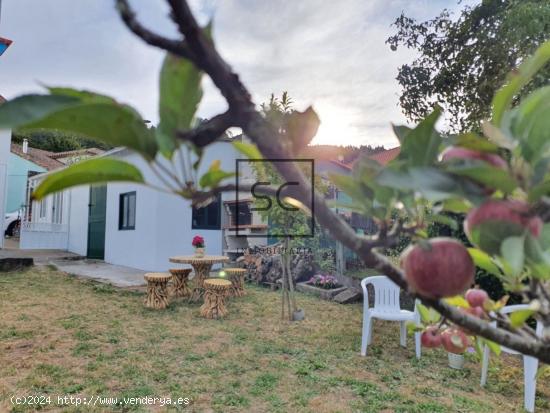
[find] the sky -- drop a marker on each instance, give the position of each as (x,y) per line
(329,54)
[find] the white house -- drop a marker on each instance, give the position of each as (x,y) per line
(5,141)
(131,224)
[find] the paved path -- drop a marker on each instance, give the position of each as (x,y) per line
(116,275)
(39,256)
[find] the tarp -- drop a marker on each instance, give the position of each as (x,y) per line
(4,44)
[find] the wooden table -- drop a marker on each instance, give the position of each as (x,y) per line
(202,267)
(216,289)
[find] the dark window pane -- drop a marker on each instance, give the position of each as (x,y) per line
(208,217)
(127,211)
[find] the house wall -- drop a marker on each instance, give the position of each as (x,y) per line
(5,141)
(18,169)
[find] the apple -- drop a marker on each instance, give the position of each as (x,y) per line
(495,220)
(454,341)
(440,267)
(455,152)
(430,337)
(476,297)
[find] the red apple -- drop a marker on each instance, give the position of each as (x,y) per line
(442,267)
(476,297)
(454,341)
(495,220)
(454,152)
(430,337)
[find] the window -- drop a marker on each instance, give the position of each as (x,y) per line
(127,211)
(42,208)
(244,217)
(208,217)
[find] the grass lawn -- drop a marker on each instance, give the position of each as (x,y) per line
(60,335)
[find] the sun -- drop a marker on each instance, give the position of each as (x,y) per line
(336,126)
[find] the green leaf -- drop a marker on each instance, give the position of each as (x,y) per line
(108,122)
(348,185)
(301,127)
(512,251)
(443,219)
(249,150)
(83,95)
(494,347)
(214,175)
(456,205)
(92,171)
(475,142)
(487,175)
(517,79)
(29,108)
(180,94)
(420,146)
(457,301)
(428,315)
(484,261)
(530,123)
(518,318)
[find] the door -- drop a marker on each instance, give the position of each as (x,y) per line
(96,221)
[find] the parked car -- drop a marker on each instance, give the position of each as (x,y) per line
(12,223)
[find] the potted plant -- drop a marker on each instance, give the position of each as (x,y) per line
(198,243)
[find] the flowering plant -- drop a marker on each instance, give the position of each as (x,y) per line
(198,241)
(324,281)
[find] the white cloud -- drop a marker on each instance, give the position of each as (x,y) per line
(329,54)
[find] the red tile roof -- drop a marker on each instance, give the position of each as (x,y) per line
(386,156)
(38,156)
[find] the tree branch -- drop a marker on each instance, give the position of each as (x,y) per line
(209,131)
(128,16)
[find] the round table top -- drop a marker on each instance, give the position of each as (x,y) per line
(191,259)
(218,282)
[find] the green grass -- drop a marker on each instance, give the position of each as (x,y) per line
(63,336)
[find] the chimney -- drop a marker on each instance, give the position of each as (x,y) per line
(25,145)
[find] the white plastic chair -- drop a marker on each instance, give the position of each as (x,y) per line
(386,307)
(530,364)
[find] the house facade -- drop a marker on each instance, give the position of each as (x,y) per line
(131,224)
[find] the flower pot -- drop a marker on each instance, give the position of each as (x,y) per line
(199,252)
(298,315)
(456,361)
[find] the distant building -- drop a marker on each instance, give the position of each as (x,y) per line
(25,161)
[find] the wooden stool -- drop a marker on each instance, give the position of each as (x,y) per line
(180,279)
(236,276)
(157,290)
(216,289)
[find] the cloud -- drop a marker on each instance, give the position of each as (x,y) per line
(328,54)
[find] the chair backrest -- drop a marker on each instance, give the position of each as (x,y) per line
(386,293)
(518,307)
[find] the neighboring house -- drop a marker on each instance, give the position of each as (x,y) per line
(25,161)
(131,224)
(386,156)
(5,139)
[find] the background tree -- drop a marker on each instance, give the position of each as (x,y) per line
(462,62)
(57,141)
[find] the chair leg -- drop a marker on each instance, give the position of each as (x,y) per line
(530,366)
(417,344)
(485,365)
(366,334)
(403,334)
(371,326)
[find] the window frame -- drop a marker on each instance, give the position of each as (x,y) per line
(121,211)
(208,227)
